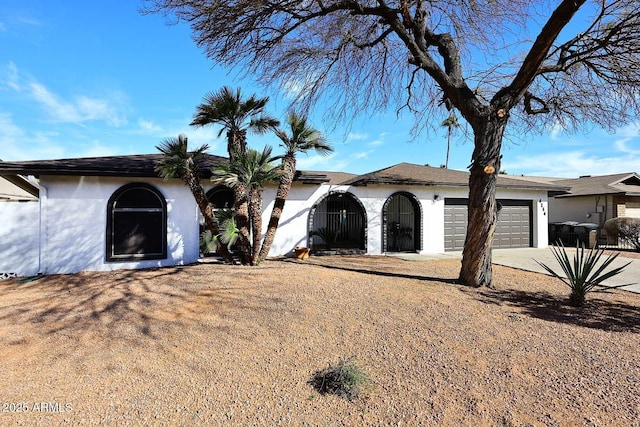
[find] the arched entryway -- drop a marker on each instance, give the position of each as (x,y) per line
(402,223)
(338,222)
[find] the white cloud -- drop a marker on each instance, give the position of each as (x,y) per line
(9,77)
(98,150)
(556,130)
(572,164)
(17,144)
(199,136)
(292,88)
(30,21)
(622,146)
(81,109)
(378,141)
(362,154)
(357,136)
(8,129)
(632,130)
(317,162)
(296,88)
(148,126)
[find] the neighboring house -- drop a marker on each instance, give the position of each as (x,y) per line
(108,213)
(595,199)
(19,227)
(17,188)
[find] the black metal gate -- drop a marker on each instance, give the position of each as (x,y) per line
(338,222)
(401,226)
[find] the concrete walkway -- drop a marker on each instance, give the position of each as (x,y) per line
(525,259)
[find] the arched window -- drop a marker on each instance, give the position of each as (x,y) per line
(136,224)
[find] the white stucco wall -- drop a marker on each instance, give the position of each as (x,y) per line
(293,227)
(19,238)
(74,210)
(541,222)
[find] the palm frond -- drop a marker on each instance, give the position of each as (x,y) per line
(253,170)
(303,137)
(229,232)
(227,108)
(177,160)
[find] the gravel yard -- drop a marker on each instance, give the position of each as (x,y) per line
(212,344)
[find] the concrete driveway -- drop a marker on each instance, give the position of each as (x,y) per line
(525,259)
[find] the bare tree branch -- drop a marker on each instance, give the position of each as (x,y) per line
(477,56)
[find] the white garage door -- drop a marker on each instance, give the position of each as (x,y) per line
(513,230)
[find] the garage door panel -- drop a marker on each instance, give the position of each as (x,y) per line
(513,229)
(455,224)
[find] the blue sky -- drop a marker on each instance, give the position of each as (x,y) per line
(97,78)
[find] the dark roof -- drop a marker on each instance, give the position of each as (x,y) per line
(143,165)
(139,165)
(413,174)
(322,177)
(622,183)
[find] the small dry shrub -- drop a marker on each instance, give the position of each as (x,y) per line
(345,379)
(626,229)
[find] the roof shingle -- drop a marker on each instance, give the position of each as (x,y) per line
(413,174)
(622,183)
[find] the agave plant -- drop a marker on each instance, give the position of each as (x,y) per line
(585,272)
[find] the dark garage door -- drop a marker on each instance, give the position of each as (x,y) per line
(513,229)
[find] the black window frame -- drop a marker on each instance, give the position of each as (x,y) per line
(112,209)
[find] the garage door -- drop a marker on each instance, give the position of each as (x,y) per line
(512,231)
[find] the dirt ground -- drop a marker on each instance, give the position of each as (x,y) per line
(212,344)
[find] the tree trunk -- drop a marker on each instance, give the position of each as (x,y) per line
(237,148)
(286,180)
(482,211)
(446,162)
(207,212)
(241,211)
(255,213)
(236,143)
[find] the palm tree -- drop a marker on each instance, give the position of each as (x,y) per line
(178,162)
(227,108)
(303,138)
(250,173)
(450,123)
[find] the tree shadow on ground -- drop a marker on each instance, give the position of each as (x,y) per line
(129,305)
(596,314)
(371,271)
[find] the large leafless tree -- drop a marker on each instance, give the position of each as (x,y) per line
(495,61)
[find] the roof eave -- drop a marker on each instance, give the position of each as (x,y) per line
(23,184)
(365,182)
(564,196)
